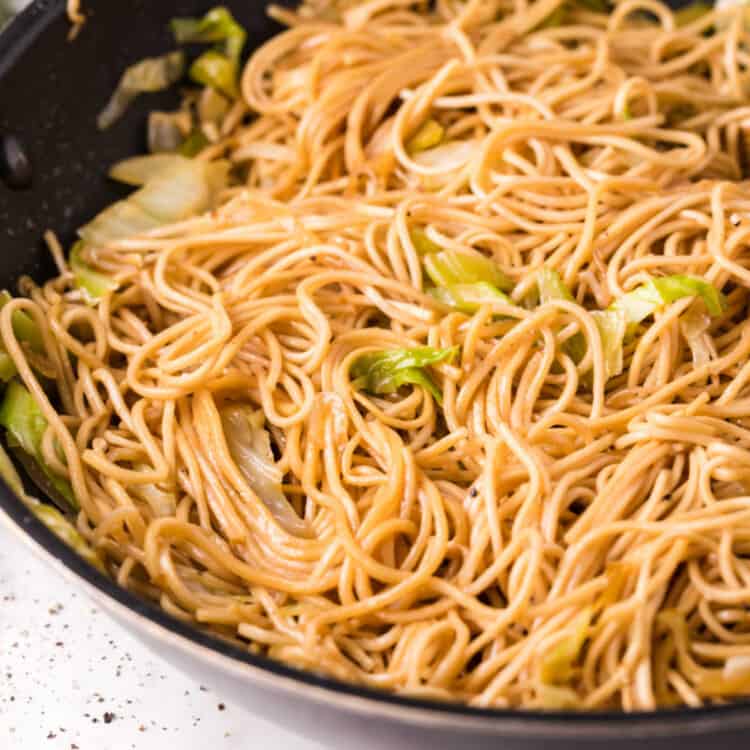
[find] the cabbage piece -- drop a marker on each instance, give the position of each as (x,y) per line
(386,371)
(7,367)
(219,67)
(138,170)
(183,191)
(218,25)
(422,243)
(451,267)
(186,188)
(149,75)
(468,298)
(65,531)
(21,416)
(212,106)
(250,447)
(559,666)
(647,298)
(117,222)
(612,326)
(428,135)
(162,503)
(93,285)
(551,286)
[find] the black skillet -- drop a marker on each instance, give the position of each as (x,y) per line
(50,93)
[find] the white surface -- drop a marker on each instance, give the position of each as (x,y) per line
(64,665)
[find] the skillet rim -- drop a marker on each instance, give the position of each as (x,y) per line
(15,38)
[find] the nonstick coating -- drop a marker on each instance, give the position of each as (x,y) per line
(50,93)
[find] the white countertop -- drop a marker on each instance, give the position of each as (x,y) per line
(71,679)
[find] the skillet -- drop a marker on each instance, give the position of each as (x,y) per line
(50,93)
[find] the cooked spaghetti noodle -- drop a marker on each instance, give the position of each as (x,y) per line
(544,507)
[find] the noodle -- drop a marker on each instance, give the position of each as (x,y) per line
(549,532)
(76,17)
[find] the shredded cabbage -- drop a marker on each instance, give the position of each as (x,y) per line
(166,131)
(623,315)
(250,446)
(560,664)
(468,298)
(694,324)
(551,286)
(138,170)
(450,267)
(647,298)
(26,330)
(93,285)
(386,371)
(612,325)
(217,68)
(21,416)
(24,327)
(149,75)
(183,189)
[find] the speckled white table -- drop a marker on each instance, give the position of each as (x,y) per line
(71,679)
